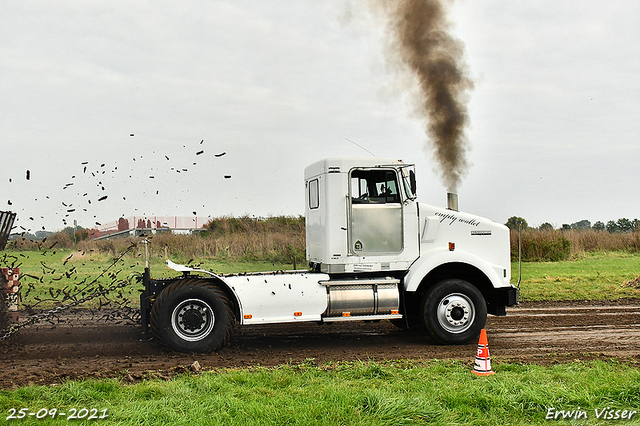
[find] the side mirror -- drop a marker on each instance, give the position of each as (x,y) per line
(412,182)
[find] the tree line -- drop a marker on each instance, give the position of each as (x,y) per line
(612,226)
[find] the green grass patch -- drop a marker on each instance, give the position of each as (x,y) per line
(47,273)
(360,393)
(592,276)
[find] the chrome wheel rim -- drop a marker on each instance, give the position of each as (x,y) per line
(456,313)
(192,320)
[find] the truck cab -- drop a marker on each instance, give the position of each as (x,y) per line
(363,220)
(361,216)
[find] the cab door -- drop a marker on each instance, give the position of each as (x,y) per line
(377,214)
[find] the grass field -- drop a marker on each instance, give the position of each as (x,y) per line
(48,275)
(361,393)
(592,276)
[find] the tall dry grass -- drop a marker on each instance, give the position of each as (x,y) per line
(557,244)
(282,239)
(274,239)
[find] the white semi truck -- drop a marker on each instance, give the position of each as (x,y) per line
(374,253)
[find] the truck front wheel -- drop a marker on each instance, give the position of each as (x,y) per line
(454,312)
(192,316)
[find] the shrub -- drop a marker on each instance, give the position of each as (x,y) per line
(547,245)
(554,245)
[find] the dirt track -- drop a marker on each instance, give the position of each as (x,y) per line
(539,332)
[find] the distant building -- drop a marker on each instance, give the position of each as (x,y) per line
(141,225)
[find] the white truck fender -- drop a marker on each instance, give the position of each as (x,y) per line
(437,257)
(184,268)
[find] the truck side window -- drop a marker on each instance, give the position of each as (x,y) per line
(374,187)
(314,196)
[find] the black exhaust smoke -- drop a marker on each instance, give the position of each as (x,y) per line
(435,60)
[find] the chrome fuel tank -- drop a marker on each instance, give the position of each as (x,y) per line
(378,296)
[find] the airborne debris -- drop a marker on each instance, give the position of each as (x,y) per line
(93,168)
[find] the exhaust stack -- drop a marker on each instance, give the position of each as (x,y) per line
(452,201)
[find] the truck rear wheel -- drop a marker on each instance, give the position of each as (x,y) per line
(454,312)
(192,316)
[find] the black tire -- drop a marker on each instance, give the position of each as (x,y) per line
(192,316)
(454,312)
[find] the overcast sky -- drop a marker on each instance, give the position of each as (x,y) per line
(554,114)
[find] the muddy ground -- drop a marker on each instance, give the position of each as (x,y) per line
(537,332)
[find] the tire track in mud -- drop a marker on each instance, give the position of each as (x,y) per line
(572,331)
(538,332)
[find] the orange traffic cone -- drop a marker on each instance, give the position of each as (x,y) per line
(482,366)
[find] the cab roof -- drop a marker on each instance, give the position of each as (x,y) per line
(344,164)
